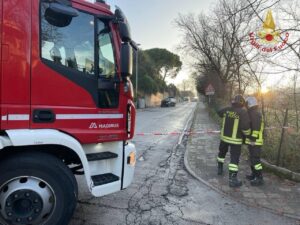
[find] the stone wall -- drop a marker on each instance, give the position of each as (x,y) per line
(153,100)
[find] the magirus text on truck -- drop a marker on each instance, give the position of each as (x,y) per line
(66,104)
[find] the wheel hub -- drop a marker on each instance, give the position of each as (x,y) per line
(23,206)
(26,200)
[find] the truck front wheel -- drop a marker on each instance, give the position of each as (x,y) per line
(36,189)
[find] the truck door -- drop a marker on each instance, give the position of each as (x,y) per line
(74,86)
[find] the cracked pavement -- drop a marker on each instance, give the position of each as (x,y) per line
(163,192)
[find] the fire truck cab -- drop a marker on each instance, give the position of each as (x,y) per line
(66,104)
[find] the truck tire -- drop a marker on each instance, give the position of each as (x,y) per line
(36,189)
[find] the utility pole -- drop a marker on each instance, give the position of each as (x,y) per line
(137,74)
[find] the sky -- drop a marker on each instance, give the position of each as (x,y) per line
(152,23)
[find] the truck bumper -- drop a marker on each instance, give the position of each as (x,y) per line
(129,164)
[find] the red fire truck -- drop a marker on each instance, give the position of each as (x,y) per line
(66,104)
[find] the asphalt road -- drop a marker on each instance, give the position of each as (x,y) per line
(163,192)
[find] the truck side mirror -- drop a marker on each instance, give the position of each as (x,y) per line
(124,28)
(60,15)
(124,31)
(126,59)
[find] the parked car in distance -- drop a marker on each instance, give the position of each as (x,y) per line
(167,102)
(186,99)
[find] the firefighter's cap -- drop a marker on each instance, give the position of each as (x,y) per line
(238,100)
(251,102)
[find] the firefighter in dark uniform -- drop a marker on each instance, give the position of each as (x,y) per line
(235,127)
(255,141)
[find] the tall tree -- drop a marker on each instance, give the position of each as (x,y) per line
(153,67)
(165,63)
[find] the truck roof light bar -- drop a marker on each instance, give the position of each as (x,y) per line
(98,1)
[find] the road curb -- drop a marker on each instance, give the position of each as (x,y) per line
(188,125)
(192,173)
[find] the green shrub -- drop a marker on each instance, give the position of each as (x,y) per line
(148,85)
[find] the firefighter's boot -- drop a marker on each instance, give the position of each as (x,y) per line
(233,181)
(220,168)
(252,175)
(258,179)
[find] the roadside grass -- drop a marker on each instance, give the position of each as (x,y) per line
(282,146)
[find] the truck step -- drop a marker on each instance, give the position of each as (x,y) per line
(101,156)
(104,179)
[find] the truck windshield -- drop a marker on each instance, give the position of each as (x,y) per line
(106,51)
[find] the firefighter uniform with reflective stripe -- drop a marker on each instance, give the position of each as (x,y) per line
(235,126)
(257,127)
(255,141)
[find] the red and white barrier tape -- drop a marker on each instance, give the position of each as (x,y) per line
(196,132)
(178,133)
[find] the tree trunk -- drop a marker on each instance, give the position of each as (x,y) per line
(282,137)
(296,104)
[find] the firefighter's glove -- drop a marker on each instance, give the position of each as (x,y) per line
(252,143)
